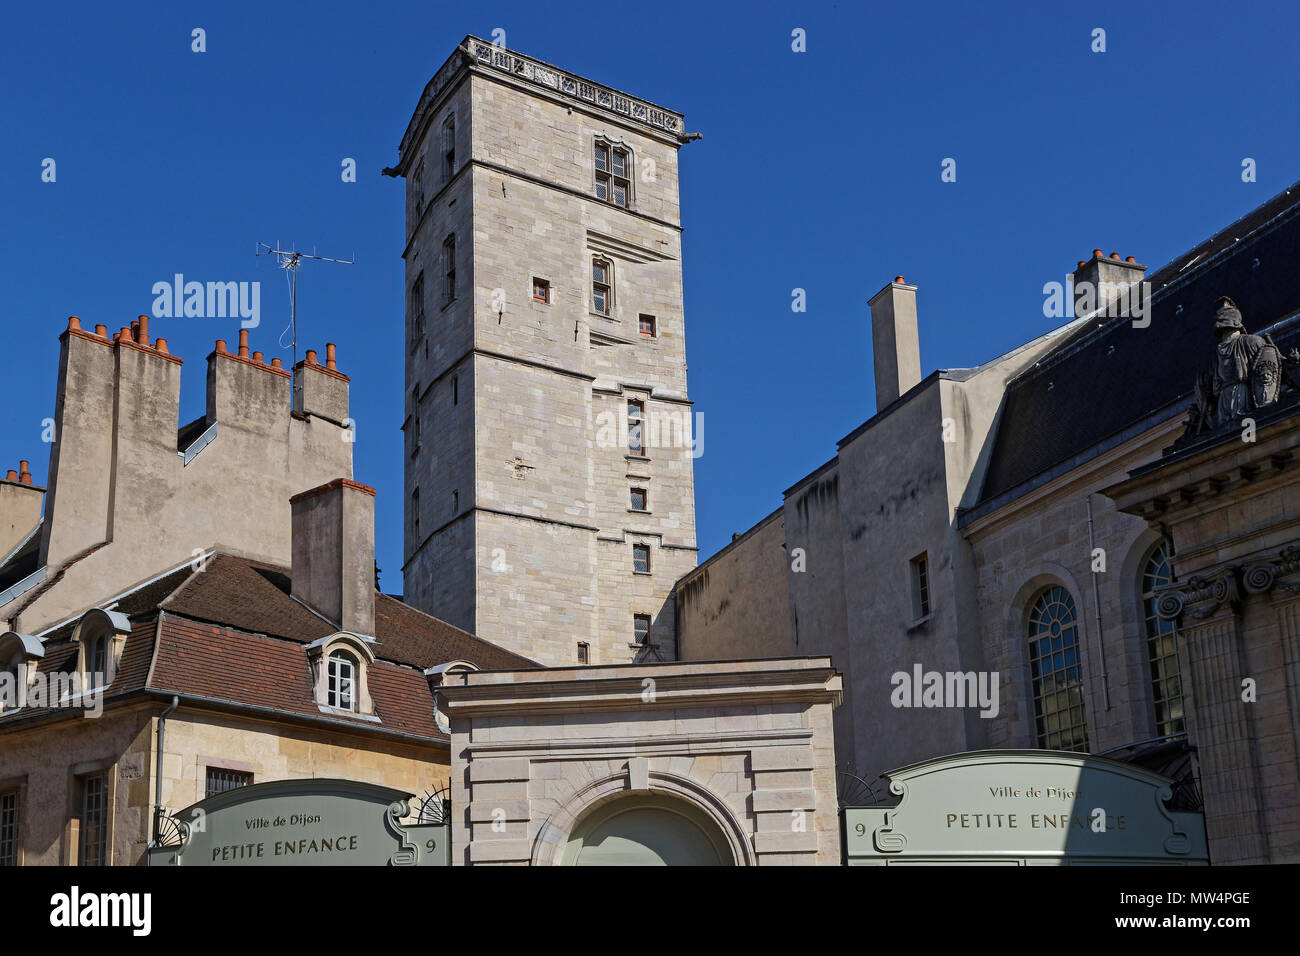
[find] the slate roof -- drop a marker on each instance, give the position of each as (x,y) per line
(1108,375)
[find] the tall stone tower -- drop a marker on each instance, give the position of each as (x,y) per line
(549,437)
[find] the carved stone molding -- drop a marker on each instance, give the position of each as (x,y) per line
(1203,595)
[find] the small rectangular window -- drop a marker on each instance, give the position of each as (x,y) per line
(455,389)
(9,828)
(94,820)
(635,419)
(641,558)
(640,628)
(920,587)
(584,653)
(646,325)
(541,290)
(219,780)
(639,499)
(418,187)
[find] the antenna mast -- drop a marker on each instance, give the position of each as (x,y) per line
(291,259)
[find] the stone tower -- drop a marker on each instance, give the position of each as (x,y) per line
(549,437)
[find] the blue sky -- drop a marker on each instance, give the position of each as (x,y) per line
(818,170)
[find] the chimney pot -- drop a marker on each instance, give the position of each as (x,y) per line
(74,324)
(276,363)
(1130,259)
(161,346)
(142,331)
(1097,253)
(101,331)
(900,280)
(1082,263)
(1114,255)
(257,357)
(25,477)
(243,343)
(329,356)
(311,356)
(125,333)
(12,475)
(221,347)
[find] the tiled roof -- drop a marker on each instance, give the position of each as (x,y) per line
(233,634)
(236,668)
(1108,376)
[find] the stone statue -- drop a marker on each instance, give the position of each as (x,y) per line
(1249,373)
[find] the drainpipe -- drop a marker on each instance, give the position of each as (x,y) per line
(157,772)
(1096,605)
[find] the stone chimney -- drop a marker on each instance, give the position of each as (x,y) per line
(334,553)
(894,341)
(1105,283)
(20,507)
(321,390)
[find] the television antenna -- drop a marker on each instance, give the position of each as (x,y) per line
(291,260)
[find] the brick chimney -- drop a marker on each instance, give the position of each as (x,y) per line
(894,341)
(1105,283)
(334,553)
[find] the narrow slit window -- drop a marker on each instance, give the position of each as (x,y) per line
(584,653)
(449,269)
(635,420)
(920,568)
(602,285)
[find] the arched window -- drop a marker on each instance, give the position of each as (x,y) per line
(1162,650)
(342,681)
(1057,672)
(97,661)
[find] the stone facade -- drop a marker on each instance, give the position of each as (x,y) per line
(519,525)
(1230,504)
(121,745)
(832,566)
(747,746)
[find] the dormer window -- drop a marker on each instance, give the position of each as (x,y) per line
(101,635)
(342,681)
(19,655)
(340,674)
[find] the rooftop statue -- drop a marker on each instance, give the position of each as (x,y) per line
(1249,374)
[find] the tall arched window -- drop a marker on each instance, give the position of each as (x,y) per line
(1162,650)
(342,681)
(1057,672)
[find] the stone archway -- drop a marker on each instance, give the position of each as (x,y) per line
(608,810)
(646,830)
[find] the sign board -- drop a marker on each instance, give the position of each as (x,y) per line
(1023,807)
(308,822)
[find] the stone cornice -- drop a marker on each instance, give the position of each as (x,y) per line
(483,56)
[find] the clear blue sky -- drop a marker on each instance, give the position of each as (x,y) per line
(818,170)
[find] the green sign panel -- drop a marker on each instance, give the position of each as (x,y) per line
(1023,807)
(304,823)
